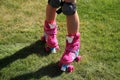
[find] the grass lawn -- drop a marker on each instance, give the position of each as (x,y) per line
(22,55)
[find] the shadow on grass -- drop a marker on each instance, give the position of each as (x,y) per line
(50,70)
(35,48)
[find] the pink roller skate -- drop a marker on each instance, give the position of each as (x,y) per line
(71,53)
(50,31)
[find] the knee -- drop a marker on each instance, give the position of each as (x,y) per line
(71,1)
(54,3)
(69,8)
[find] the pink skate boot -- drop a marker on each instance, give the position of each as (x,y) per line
(50,31)
(71,53)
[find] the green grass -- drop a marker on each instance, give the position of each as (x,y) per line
(22,55)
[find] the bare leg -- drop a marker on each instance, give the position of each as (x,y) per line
(72,21)
(50,13)
(73,24)
(50,30)
(72,42)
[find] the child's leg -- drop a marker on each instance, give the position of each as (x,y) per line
(50,13)
(50,28)
(73,24)
(72,19)
(51,9)
(72,39)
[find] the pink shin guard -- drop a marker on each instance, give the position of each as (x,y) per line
(50,31)
(71,52)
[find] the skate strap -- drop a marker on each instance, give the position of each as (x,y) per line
(73,47)
(50,28)
(74,54)
(51,32)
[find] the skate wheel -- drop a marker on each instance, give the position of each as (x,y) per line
(51,50)
(70,68)
(59,65)
(78,58)
(43,38)
(47,49)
